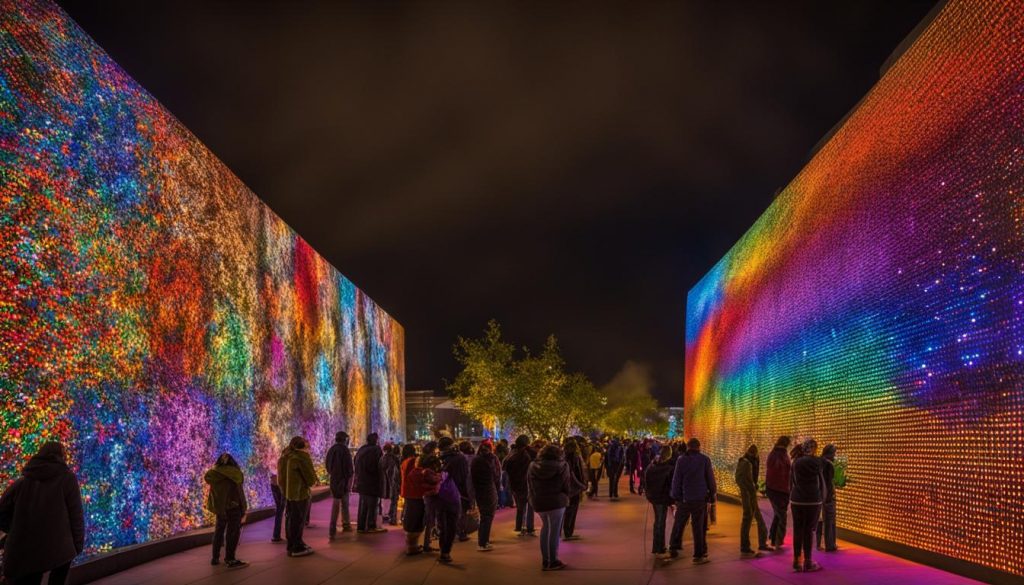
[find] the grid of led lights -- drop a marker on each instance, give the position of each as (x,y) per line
(878,304)
(153,312)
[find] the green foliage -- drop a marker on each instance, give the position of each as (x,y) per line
(632,411)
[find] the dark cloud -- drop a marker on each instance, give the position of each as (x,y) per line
(568,168)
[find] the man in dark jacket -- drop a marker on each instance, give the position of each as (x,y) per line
(659,493)
(777,489)
(516,466)
(693,486)
(746,479)
(369,484)
(338,463)
(632,460)
(614,461)
(455,464)
(827,525)
(807,488)
(41,512)
(485,478)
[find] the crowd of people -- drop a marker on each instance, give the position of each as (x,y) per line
(450,489)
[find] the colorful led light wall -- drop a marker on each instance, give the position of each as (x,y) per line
(878,304)
(153,312)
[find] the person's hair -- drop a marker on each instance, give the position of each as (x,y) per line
(429,448)
(797,451)
(408,450)
(783,441)
(829,451)
(522,441)
(52,450)
(809,446)
(466,447)
(752,450)
(227,459)
(297,443)
(551,452)
(665,454)
(693,443)
(445,442)
(340,437)
(503,441)
(571,446)
(431,461)
(372,439)
(484,448)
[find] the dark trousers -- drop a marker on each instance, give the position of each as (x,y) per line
(614,473)
(695,511)
(447,522)
(805,519)
(751,512)
(294,523)
(569,521)
(660,516)
(827,526)
(367,518)
(278,509)
(58,575)
(595,476)
(230,525)
(524,513)
(429,521)
(631,472)
(393,511)
(780,506)
(483,535)
(460,525)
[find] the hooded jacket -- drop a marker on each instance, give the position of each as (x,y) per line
(808,482)
(42,514)
(576,469)
(456,465)
(746,474)
(658,481)
(549,484)
(694,478)
(485,478)
(615,457)
(777,470)
(295,474)
(516,466)
(391,475)
(369,481)
(226,491)
(339,466)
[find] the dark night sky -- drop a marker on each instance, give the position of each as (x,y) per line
(566,168)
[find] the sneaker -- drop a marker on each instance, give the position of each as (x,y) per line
(429,549)
(834,549)
(276,540)
(484,548)
(573,537)
(236,564)
(556,566)
(701,560)
(445,559)
(301,553)
(346,528)
(531,533)
(749,554)
(214,562)
(766,548)
(411,552)
(376,530)
(811,566)
(797,566)
(673,554)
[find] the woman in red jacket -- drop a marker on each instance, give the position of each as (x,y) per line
(777,483)
(415,486)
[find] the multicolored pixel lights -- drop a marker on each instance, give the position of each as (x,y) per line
(153,312)
(878,304)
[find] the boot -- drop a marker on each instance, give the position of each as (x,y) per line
(412,543)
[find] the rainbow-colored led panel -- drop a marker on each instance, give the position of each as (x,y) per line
(153,312)
(878,304)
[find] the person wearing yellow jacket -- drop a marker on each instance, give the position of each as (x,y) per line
(228,503)
(295,477)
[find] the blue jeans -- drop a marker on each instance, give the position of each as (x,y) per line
(368,506)
(483,535)
(550,534)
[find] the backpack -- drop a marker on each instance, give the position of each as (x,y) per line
(448,494)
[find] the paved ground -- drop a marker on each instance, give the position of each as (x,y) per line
(614,551)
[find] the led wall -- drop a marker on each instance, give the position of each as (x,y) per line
(878,304)
(153,312)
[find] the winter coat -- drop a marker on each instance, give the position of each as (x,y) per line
(694,478)
(226,491)
(390,473)
(632,456)
(369,481)
(549,484)
(295,474)
(454,463)
(404,470)
(517,465)
(615,457)
(658,483)
(338,463)
(576,468)
(485,480)
(746,476)
(41,512)
(430,480)
(807,483)
(828,469)
(777,470)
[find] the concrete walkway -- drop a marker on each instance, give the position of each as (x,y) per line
(614,551)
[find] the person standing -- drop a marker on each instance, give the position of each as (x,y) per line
(594,466)
(806,491)
(614,461)
(549,485)
(389,472)
(746,479)
(446,502)
(693,486)
(429,514)
(228,503)
(279,501)
(632,453)
(41,512)
(338,463)
(484,480)
(658,481)
(414,490)
(777,472)
(454,463)
(369,484)
(296,476)
(827,525)
(576,466)
(517,464)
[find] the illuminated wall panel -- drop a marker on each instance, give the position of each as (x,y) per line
(153,312)
(878,304)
